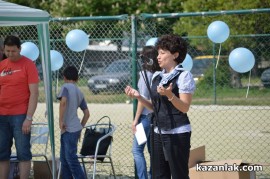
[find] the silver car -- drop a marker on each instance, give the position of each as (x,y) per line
(115,78)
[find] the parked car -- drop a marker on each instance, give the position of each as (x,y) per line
(93,68)
(115,78)
(265,78)
(201,64)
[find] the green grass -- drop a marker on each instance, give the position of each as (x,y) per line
(102,98)
(257,95)
(232,96)
(226,96)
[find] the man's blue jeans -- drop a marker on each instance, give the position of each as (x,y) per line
(137,149)
(11,127)
(70,165)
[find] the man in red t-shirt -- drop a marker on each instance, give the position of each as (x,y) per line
(18,102)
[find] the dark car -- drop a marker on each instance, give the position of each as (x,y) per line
(265,78)
(115,78)
(201,64)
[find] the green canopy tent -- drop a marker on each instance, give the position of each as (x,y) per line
(15,15)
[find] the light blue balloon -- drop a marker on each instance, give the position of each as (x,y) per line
(187,63)
(29,50)
(151,41)
(218,31)
(77,40)
(57,60)
(241,60)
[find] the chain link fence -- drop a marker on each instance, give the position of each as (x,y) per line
(230,110)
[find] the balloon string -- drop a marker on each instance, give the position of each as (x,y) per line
(57,81)
(218,55)
(248,83)
(82,61)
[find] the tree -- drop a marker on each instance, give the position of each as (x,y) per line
(186,26)
(45,5)
(239,24)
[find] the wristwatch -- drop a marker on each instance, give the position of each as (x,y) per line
(29,118)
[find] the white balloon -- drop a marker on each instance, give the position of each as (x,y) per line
(29,50)
(218,31)
(151,41)
(241,60)
(187,63)
(77,40)
(57,60)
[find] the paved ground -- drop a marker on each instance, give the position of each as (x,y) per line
(228,132)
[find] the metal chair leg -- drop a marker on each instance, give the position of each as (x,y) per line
(112,167)
(48,164)
(59,171)
(84,168)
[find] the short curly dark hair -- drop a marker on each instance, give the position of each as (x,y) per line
(173,43)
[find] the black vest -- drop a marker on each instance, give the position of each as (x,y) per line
(168,116)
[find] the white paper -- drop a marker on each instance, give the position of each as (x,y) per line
(140,134)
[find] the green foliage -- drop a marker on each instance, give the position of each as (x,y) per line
(251,24)
(45,5)
(222,76)
(75,8)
